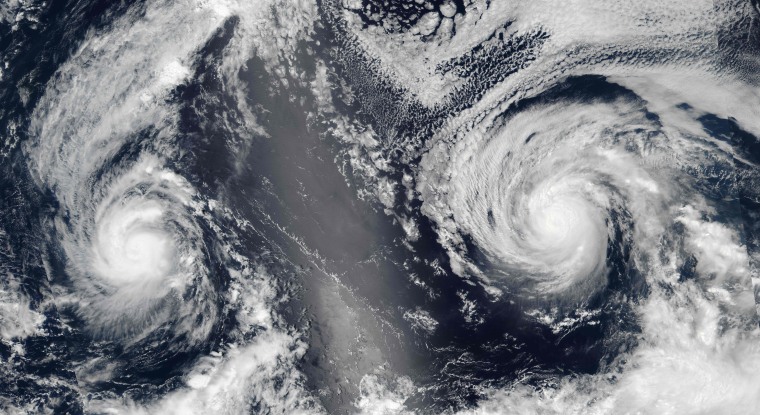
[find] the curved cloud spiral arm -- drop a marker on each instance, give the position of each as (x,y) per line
(542,193)
(538,188)
(131,234)
(153,265)
(134,260)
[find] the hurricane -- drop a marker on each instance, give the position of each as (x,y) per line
(370,207)
(589,208)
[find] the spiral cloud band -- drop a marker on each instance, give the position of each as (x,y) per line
(140,252)
(144,263)
(548,197)
(593,158)
(543,203)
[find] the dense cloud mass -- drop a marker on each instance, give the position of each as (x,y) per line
(376,207)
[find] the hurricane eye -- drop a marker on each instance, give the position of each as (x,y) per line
(132,247)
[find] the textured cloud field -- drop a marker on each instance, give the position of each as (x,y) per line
(347,206)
